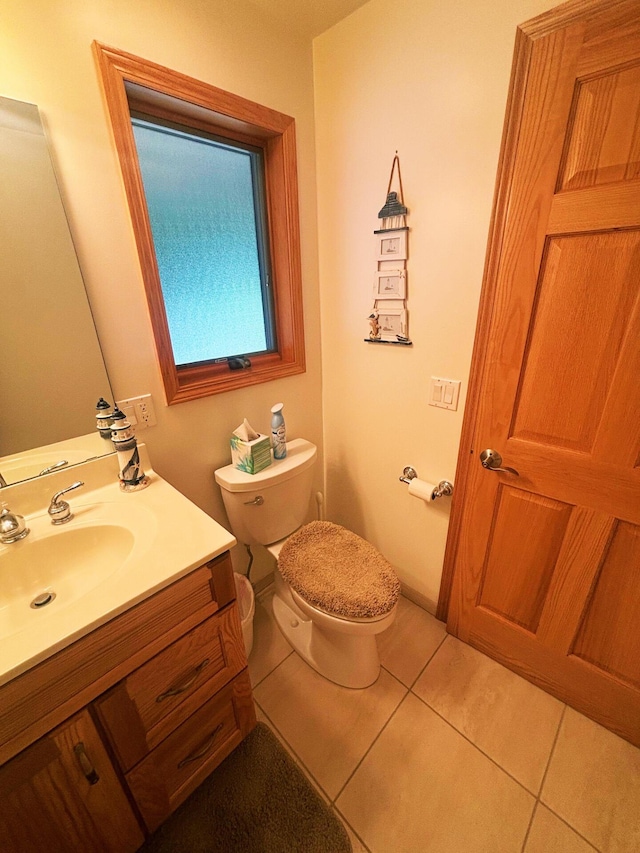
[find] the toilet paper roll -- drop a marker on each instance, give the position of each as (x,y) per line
(421,489)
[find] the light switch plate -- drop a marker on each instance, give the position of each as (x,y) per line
(444,393)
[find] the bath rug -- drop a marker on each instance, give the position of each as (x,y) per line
(257,801)
(335,570)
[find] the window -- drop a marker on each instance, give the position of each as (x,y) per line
(205,200)
(212,189)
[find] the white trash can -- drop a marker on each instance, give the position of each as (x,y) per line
(247,608)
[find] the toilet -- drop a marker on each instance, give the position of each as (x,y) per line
(333,591)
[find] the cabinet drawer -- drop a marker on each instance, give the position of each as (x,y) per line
(139,712)
(33,703)
(166,777)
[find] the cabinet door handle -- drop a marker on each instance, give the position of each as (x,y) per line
(184,685)
(201,750)
(85,764)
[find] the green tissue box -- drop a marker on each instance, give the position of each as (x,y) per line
(251,456)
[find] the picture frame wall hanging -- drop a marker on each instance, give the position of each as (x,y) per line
(388,318)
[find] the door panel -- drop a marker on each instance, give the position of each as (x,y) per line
(576,337)
(616,603)
(546,563)
(519,594)
(603,141)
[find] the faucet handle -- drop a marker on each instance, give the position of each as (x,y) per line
(13,527)
(60,511)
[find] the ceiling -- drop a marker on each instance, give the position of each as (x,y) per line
(309,17)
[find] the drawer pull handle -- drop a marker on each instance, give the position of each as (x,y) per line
(202,750)
(185,685)
(85,764)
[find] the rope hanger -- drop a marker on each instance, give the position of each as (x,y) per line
(396,162)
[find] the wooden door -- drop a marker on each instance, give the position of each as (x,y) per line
(62,794)
(546,565)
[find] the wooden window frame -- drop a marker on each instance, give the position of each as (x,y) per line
(131,83)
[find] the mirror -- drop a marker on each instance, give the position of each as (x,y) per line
(51,368)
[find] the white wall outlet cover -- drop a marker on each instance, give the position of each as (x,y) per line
(139,411)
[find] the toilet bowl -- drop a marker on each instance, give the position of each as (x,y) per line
(333,591)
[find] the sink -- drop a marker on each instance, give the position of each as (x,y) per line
(117,550)
(16,468)
(58,569)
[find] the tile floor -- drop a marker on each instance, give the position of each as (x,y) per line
(448,752)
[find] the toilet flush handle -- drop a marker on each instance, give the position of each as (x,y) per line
(257,501)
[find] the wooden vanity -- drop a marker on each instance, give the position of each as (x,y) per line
(102,741)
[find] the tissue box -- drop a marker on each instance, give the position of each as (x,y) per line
(251,456)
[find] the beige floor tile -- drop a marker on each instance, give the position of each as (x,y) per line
(329,727)
(408,644)
(550,835)
(262,718)
(423,787)
(594,784)
(508,718)
(269,645)
(356,845)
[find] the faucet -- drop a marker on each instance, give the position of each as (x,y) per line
(60,464)
(60,511)
(12,526)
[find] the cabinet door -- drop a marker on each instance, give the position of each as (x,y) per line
(62,794)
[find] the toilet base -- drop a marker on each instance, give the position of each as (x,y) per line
(344,658)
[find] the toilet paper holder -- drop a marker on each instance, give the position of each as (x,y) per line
(442,490)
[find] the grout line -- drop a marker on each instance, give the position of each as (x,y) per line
(474,745)
(370,747)
(435,652)
(544,779)
(526,835)
(271,671)
(295,755)
(572,828)
(551,751)
(344,820)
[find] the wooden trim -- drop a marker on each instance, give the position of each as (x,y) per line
(573,12)
(21,769)
(617,208)
(129,81)
(506,164)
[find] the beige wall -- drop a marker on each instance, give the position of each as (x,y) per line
(430,80)
(46,58)
(426,78)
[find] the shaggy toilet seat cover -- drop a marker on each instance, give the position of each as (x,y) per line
(339,572)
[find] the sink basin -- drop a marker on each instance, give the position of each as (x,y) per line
(117,550)
(16,468)
(66,564)
(59,576)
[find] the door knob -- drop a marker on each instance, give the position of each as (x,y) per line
(492,461)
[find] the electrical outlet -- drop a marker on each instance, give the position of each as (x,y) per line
(139,411)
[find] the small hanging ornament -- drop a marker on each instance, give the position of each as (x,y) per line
(388,319)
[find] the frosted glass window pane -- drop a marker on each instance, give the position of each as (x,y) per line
(201,203)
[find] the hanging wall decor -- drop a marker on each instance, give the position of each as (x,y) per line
(388,316)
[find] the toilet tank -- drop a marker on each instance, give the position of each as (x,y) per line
(284,487)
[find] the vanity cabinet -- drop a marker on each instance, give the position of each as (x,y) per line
(158,697)
(63,794)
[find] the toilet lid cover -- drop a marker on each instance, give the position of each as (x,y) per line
(337,571)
